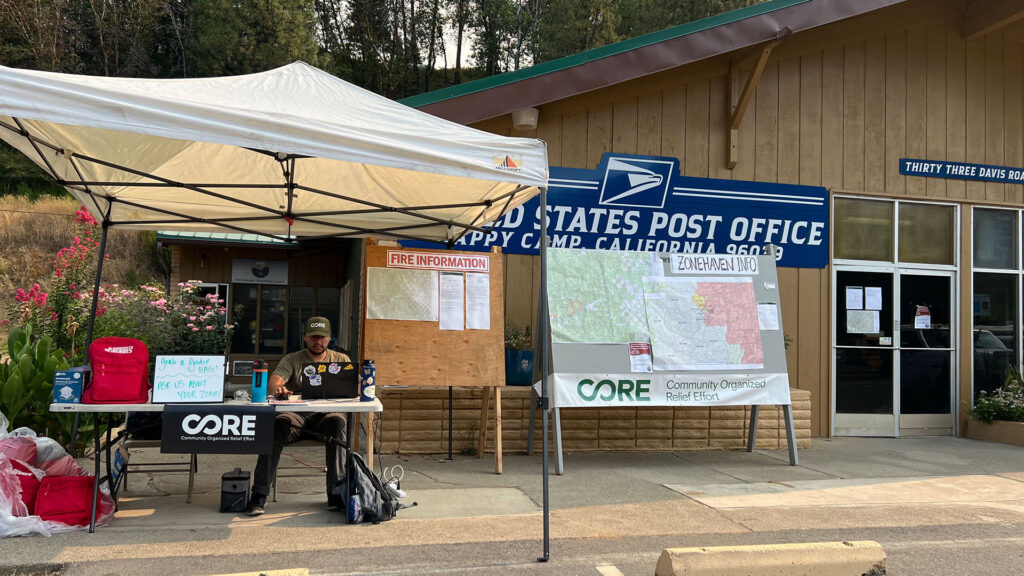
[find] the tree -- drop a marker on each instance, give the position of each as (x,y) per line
(175,30)
(40,34)
(567,27)
(493,21)
(461,19)
(121,35)
(244,36)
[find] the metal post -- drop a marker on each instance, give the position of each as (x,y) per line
(533,420)
(543,332)
(787,411)
(451,420)
(559,461)
(752,436)
(96,470)
(92,320)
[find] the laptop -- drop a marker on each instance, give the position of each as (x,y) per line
(319,380)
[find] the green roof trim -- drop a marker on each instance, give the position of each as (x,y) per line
(596,54)
(233,238)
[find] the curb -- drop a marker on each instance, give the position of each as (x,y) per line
(860,558)
(46,569)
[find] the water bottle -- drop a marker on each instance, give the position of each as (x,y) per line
(259,381)
(368,383)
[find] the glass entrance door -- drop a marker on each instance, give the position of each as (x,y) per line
(864,354)
(925,351)
(895,336)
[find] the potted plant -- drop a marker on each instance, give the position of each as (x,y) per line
(999,416)
(518,356)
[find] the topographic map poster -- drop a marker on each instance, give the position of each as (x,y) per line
(716,318)
(401,294)
(649,329)
(599,298)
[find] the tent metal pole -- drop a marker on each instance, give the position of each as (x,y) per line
(88,337)
(96,287)
(542,333)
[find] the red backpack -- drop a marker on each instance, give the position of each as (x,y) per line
(68,499)
(120,372)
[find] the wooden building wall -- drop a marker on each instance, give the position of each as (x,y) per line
(835,107)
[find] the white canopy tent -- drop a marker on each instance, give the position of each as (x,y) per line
(290,153)
(293,153)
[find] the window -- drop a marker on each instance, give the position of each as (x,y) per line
(221,290)
(995,233)
(270,318)
(927,233)
(863,229)
(305,301)
(995,296)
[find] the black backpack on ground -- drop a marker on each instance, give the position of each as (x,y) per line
(367,499)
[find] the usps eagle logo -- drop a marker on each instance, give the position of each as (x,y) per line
(637,183)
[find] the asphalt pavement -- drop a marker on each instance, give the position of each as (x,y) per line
(937,505)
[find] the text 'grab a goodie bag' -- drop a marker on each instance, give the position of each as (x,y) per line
(368,499)
(120,372)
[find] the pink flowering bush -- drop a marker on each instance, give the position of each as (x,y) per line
(60,312)
(199,322)
(186,324)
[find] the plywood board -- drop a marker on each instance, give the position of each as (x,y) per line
(411,353)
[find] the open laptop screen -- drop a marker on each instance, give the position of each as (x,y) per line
(329,380)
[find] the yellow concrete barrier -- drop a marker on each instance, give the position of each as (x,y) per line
(812,559)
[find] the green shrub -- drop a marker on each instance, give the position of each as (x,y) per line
(1005,403)
(518,338)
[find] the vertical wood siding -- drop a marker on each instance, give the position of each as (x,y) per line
(836,107)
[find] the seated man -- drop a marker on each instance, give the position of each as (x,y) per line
(289,427)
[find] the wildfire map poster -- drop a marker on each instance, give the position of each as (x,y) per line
(641,328)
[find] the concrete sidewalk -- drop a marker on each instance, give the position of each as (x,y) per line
(908,482)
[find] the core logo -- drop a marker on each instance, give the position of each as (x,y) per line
(119,349)
(636,182)
(318,325)
(607,390)
(226,425)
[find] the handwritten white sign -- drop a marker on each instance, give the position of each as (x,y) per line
(188,379)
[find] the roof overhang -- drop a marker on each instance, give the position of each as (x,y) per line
(624,61)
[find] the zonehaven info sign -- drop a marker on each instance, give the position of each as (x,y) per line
(649,329)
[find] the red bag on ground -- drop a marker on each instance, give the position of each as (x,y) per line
(29,485)
(67,499)
(120,372)
(20,448)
